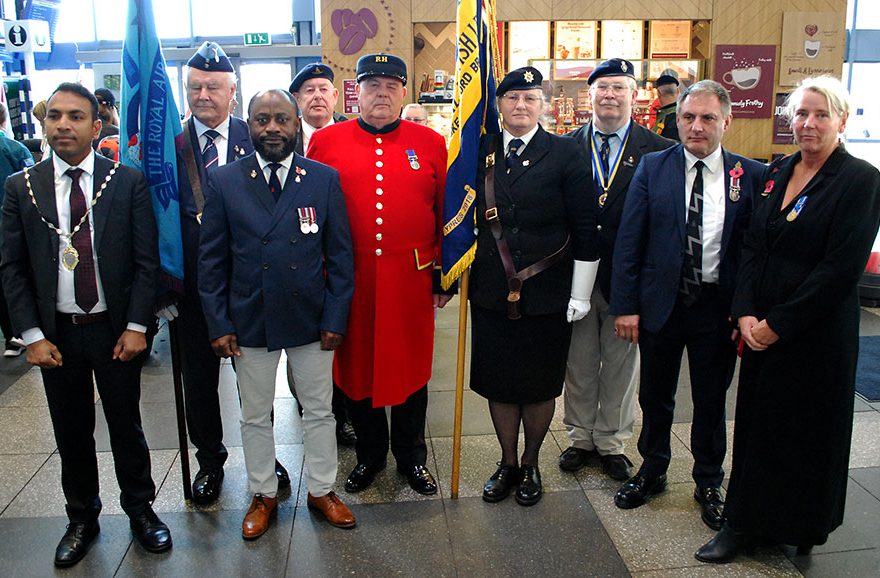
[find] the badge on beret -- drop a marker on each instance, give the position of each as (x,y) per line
(623,66)
(528,76)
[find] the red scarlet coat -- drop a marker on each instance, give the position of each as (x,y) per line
(393,184)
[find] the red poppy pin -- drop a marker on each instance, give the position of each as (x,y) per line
(768,187)
(735,173)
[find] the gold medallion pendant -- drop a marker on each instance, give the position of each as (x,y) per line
(70,258)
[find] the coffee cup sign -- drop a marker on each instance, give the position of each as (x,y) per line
(743,78)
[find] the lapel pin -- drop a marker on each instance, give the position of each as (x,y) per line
(526,163)
(253,174)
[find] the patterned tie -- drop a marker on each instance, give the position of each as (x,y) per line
(604,152)
(274,181)
(512,149)
(692,268)
(85,284)
(209,153)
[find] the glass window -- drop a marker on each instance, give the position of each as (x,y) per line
(172,18)
(76,22)
(867,15)
(110,19)
(233,18)
(261,76)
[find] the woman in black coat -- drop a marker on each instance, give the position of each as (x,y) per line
(541,208)
(798,311)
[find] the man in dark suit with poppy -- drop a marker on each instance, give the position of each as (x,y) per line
(675,266)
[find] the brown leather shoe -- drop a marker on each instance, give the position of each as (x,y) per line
(256,521)
(333,509)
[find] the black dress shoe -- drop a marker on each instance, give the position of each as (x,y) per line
(206,487)
(499,485)
(530,489)
(282,475)
(725,546)
(420,479)
(617,467)
(345,434)
(362,476)
(712,503)
(75,543)
(149,530)
(638,489)
(573,459)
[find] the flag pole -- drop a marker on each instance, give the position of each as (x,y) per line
(459,380)
(180,407)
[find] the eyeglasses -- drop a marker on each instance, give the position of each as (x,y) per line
(515,98)
(614,88)
(416,119)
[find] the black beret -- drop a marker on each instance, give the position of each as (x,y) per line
(381,65)
(667,77)
(612,67)
(210,58)
(105,96)
(309,71)
(524,78)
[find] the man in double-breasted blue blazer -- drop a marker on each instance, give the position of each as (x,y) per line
(276,272)
(674,271)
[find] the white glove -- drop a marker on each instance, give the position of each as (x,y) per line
(169,313)
(582,281)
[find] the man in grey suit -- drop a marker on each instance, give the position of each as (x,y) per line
(601,376)
(276,272)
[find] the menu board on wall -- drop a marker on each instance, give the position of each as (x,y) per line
(576,39)
(812,44)
(670,39)
(527,41)
(782,132)
(623,39)
(746,71)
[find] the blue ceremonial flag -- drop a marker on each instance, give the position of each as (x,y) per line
(150,122)
(474,114)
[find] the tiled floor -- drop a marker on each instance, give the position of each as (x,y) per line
(574,531)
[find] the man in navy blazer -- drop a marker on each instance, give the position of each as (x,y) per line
(276,272)
(675,266)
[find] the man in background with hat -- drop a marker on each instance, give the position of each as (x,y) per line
(601,377)
(316,98)
(108,115)
(667,89)
(211,137)
(393,176)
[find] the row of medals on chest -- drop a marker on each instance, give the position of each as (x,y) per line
(70,256)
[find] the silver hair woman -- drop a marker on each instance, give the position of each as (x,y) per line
(798,311)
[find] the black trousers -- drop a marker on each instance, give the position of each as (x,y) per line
(201,381)
(704,330)
(407,439)
(87,350)
(5,322)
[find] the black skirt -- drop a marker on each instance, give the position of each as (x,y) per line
(520,361)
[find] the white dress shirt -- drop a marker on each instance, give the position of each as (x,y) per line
(221,142)
(526,138)
(713,207)
(65,297)
(308,130)
(282,172)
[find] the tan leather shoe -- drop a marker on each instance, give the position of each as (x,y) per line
(256,521)
(333,509)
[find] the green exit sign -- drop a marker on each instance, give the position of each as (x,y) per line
(257,39)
